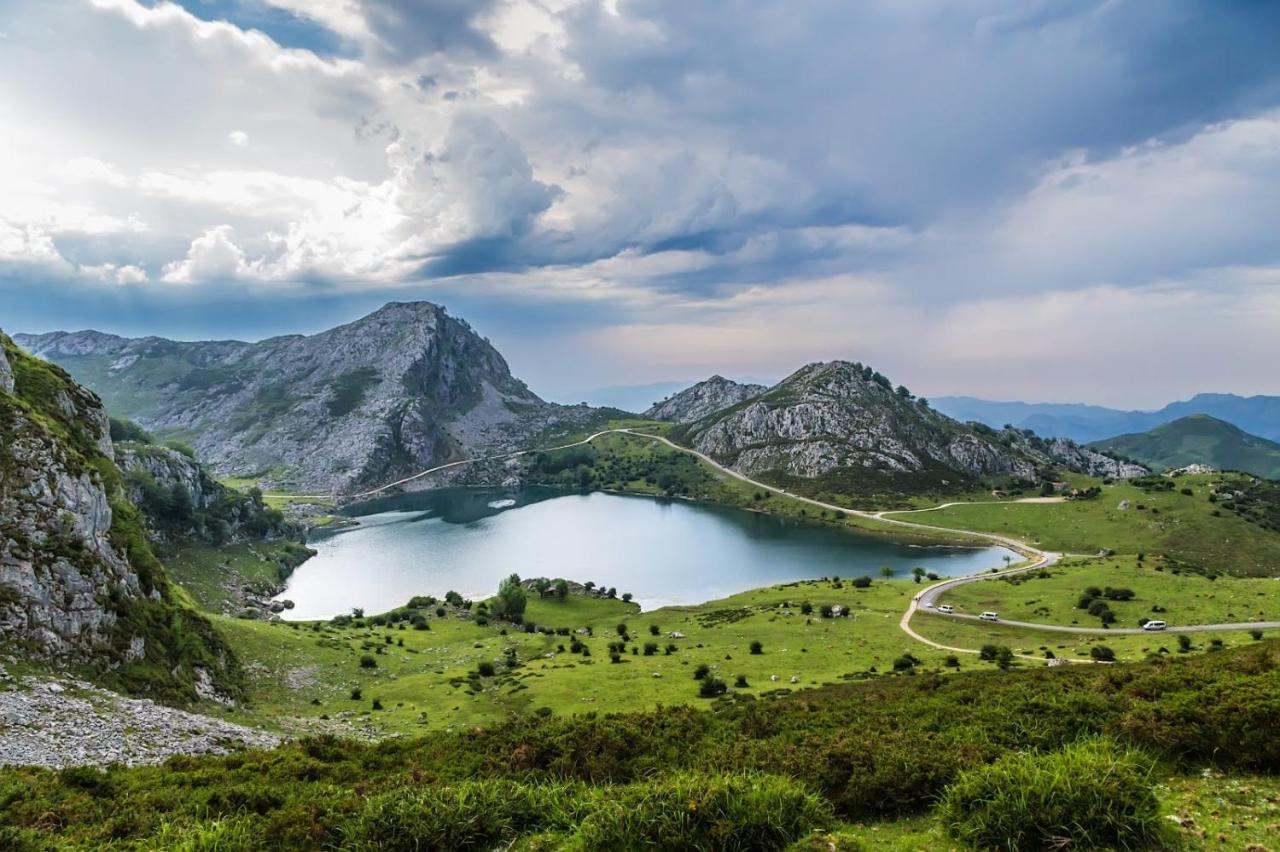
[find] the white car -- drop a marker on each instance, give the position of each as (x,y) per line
(946,609)
(928,604)
(1154,625)
(990,616)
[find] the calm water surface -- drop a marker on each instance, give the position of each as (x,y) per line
(662,551)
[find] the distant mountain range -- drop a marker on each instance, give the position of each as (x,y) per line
(1198,439)
(1257,415)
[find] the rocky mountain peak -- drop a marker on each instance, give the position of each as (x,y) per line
(702,399)
(404,388)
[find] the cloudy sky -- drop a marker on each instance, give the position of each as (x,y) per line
(1069,201)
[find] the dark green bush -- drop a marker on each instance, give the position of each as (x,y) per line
(699,812)
(1089,795)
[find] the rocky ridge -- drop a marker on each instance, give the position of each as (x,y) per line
(844,420)
(703,399)
(405,388)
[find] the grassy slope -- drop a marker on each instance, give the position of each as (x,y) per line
(1199,439)
(1182,526)
(214,575)
(1051,596)
(419,677)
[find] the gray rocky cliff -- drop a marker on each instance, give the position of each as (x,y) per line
(703,399)
(836,415)
(77,580)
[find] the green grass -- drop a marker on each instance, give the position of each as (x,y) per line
(425,683)
(1178,525)
(1185,598)
(1069,646)
(214,576)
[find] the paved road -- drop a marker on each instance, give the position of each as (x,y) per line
(1037,558)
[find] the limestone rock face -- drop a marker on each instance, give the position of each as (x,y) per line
(845,420)
(406,388)
(703,399)
(77,580)
(829,416)
(56,555)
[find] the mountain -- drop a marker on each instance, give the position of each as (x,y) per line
(705,398)
(402,389)
(843,427)
(1258,415)
(1199,439)
(78,580)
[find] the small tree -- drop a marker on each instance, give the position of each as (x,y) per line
(626,597)
(511,600)
(368,662)
(654,630)
(918,573)
(700,671)
(757,648)
(485,669)
(562,588)
(886,571)
(1102,654)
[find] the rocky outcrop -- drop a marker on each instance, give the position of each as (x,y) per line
(406,388)
(702,400)
(77,580)
(1088,461)
(180,500)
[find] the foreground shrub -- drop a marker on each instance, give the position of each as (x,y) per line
(468,815)
(1090,795)
(693,811)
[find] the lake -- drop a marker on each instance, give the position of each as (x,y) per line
(662,551)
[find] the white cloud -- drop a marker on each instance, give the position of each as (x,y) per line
(238,138)
(213,256)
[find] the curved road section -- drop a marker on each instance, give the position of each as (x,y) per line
(926,599)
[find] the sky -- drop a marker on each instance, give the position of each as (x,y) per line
(1060,200)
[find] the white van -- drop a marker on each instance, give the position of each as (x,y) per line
(946,609)
(1154,625)
(990,616)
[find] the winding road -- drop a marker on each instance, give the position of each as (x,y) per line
(927,597)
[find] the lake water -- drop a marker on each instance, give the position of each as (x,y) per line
(662,551)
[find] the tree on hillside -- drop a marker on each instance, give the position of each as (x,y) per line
(562,588)
(886,571)
(511,600)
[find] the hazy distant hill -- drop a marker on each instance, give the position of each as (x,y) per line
(404,388)
(1257,415)
(1199,439)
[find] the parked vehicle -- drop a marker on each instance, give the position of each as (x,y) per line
(1154,625)
(946,608)
(990,616)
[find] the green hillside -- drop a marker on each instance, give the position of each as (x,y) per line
(1199,439)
